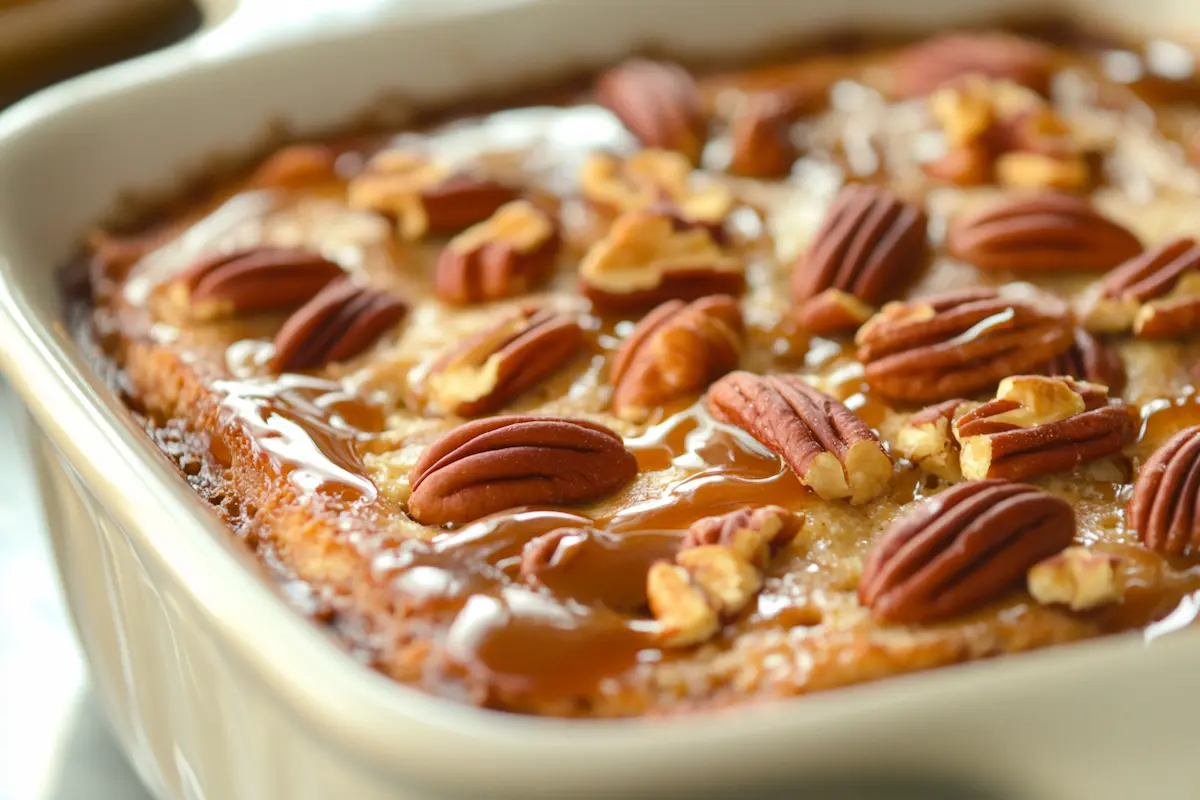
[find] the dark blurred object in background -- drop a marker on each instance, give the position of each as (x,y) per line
(45,41)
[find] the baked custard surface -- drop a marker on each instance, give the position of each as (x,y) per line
(315,434)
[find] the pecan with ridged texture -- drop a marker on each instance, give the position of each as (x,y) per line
(296,166)
(961,549)
(649,257)
(923,67)
(1155,294)
(1091,360)
(1039,425)
(1165,509)
(249,280)
(504,256)
(870,244)
(1046,231)
(676,350)
(658,102)
(960,343)
(716,573)
(927,439)
(830,449)
(493,464)
(653,179)
(341,321)
(760,137)
(424,196)
(491,368)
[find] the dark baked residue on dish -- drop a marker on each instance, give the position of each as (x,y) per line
(704,387)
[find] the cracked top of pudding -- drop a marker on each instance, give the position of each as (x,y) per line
(699,388)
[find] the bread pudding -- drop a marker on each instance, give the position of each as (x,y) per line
(695,388)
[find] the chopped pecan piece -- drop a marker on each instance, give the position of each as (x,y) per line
(869,246)
(659,103)
(245,281)
(493,464)
(1078,577)
(654,179)
(961,549)
(504,256)
(995,129)
(297,166)
(717,572)
(426,197)
(923,67)
(761,140)
(960,343)
(495,366)
(1156,294)
(1165,509)
(341,321)
(649,257)
(677,349)
(1043,231)
(927,439)
(1038,425)
(1091,360)
(830,449)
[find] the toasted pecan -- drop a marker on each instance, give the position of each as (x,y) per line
(503,462)
(1165,509)
(658,102)
(960,343)
(650,257)
(249,280)
(677,349)
(341,321)
(870,245)
(495,366)
(830,449)
(504,256)
(654,179)
(962,548)
(1039,232)
(923,67)
(760,137)
(1155,294)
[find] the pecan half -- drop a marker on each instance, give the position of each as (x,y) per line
(961,549)
(658,102)
(923,67)
(296,166)
(493,367)
(341,321)
(761,137)
(927,439)
(960,343)
(493,464)
(505,256)
(425,197)
(1078,577)
(1165,509)
(676,350)
(830,449)
(1156,294)
(1043,231)
(1038,425)
(1091,360)
(716,573)
(245,281)
(649,257)
(870,244)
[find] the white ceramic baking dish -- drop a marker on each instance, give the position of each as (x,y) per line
(218,689)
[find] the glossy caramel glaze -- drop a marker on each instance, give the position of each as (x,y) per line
(312,469)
